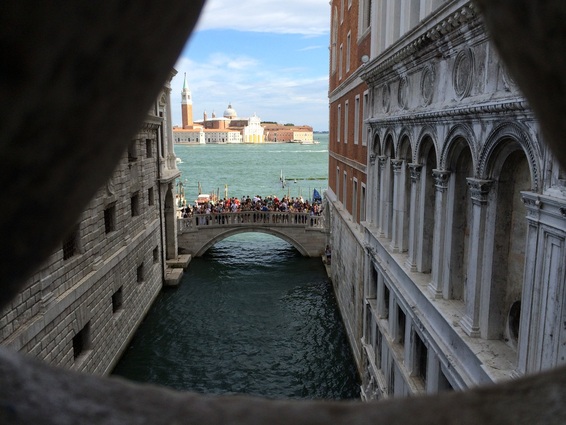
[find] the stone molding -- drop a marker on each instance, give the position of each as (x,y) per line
(463,73)
(428,84)
(441,178)
(403,92)
(397,165)
(416,170)
(479,190)
(463,16)
(476,111)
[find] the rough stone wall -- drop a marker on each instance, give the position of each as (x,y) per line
(68,293)
(347,272)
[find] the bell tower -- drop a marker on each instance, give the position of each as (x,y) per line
(186,105)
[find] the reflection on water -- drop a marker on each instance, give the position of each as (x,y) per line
(251,316)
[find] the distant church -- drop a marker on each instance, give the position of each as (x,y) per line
(227,129)
(230,128)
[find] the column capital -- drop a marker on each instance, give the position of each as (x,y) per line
(397,165)
(441,178)
(382,161)
(479,189)
(415,170)
(372,158)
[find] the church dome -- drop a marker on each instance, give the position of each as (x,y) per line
(230,112)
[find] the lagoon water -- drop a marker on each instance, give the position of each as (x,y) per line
(251,316)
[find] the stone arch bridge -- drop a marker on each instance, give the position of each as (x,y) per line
(307,233)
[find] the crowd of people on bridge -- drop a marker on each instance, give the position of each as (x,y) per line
(255,203)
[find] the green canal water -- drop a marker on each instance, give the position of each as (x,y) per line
(252,316)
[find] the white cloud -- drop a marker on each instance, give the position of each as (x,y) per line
(283,95)
(308,17)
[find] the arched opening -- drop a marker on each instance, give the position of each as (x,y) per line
(512,173)
(376,180)
(170,225)
(427,189)
(232,232)
(389,153)
(406,155)
(459,210)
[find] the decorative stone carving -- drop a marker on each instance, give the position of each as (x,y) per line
(463,73)
(397,165)
(386,97)
(479,190)
(382,161)
(403,93)
(428,81)
(416,170)
(441,179)
(372,158)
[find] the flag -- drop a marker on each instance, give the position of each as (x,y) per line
(316,196)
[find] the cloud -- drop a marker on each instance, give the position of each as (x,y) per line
(282,95)
(308,17)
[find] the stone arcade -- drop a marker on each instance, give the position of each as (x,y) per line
(465,226)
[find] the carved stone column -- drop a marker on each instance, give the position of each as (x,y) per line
(415,219)
(543,280)
(372,190)
(479,190)
(438,247)
(382,194)
(397,165)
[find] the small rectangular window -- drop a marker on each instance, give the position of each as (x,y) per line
(148,148)
(421,358)
(363,204)
(71,244)
(135,204)
(346,119)
(357,120)
(385,301)
(150,197)
(110,218)
(340,60)
(140,273)
(348,42)
(401,319)
(81,341)
(117,300)
(339,124)
(155,255)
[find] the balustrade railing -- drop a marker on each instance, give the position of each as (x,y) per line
(250,218)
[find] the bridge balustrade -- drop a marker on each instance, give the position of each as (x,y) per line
(250,218)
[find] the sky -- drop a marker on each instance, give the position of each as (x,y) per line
(265,57)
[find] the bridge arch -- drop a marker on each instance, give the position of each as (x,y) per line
(234,231)
(306,232)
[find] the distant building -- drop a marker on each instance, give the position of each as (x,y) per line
(190,132)
(232,129)
(287,133)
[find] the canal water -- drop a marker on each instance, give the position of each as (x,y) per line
(252,316)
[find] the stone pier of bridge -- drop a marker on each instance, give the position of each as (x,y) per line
(307,233)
